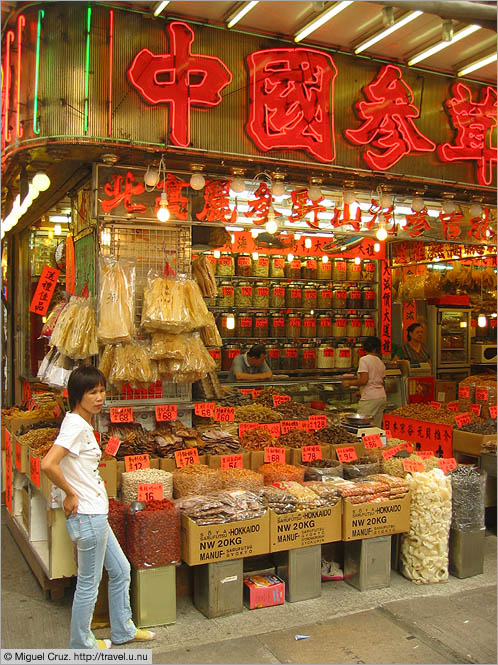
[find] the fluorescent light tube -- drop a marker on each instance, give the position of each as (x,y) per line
(320,20)
(160,7)
(240,13)
(442,45)
(388,31)
(477,65)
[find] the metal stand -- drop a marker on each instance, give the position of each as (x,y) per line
(367,563)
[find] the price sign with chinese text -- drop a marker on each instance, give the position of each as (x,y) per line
(187,457)
(273,454)
(166,412)
(112,446)
(150,492)
(224,414)
(475,408)
(482,394)
(453,406)
(447,464)
(492,411)
(34,470)
(317,422)
(136,462)
(311,453)
(463,391)
(121,414)
(231,462)
(204,409)
(372,441)
(346,454)
(462,419)
(412,465)
(44,290)
(425,454)
(436,405)
(289,425)
(280,399)
(387,454)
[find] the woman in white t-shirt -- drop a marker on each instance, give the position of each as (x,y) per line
(371,375)
(72,464)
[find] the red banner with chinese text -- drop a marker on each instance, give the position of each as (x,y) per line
(385,308)
(44,290)
(425,435)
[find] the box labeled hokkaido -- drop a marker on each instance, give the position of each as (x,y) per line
(369,520)
(222,542)
(305,527)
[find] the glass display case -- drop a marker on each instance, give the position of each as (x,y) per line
(449,337)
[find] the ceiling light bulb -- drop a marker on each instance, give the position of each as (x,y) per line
(475,210)
(163,212)
(290,258)
(418,204)
(255,256)
(271,226)
(349,197)
(377,247)
(448,207)
(237,185)
(105,237)
(308,243)
(386,200)
(230,322)
(277,188)
(314,193)
(381,233)
(357,260)
(255,233)
(151,177)
(325,259)
(482,321)
(57,229)
(216,253)
(197,181)
(232,237)
(41,181)
(297,236)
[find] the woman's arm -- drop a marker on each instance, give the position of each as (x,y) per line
(362,380)
(50,467)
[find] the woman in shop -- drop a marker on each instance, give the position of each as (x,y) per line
(413,350)
(371,375)
(72,464)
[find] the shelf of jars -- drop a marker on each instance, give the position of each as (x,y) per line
(300,279)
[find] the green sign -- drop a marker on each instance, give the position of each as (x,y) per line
(84,252)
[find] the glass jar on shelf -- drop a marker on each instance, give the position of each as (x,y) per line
(277,295)
(310,297)
(273,356)
(343,357)
(261,295)
(339,327)
(277,266)
(353,326)
(357,352)
(324,326)
(368,297)
(216,356)
(213,261)
(261,266)
(229,352)
(243,265)
(243,294)
(227,324)
(293,269)
(354,299)
(324,269)
(309,268)
(325,356)
(261,325)
(308,327)
(293,326)
(307,356)
(353,270)
(339,298)
(277,325)
(293,296)
(324,299)
(244,324)
(367,325)
(225,266)
(289,357)
(339,271)
(226,294)
(368,271)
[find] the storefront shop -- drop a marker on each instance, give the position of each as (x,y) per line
(185,196)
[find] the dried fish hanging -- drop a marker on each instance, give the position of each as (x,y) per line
(116,302)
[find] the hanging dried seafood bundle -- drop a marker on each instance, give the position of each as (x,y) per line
(74,334)
(132,364)
(204,275)
(115,306)
(210,334)
(193,366)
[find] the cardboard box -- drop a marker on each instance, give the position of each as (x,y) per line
(109,474)
(369,520)
(445,391)
(214,461)
(467,442)
(305,528)
(263,591)
(258,458)
(222,542)
(297,457)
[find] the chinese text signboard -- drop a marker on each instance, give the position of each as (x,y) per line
(425,435)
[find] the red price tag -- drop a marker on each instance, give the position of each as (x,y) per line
(231,462)
(34,470)
(425,454)
(452,406)
(412,465)
(272,428)
(317,422)
(136,462)
(255,392)
(246,391)
(224,414)
(463,391)
(372,441)
(246,427)
(408,447)
(462,419)
(436,405)
(273,454)
(112,446)
(18,456)
(388,434)
(387,454)
(492,411)
(280,399)
(204,409)
(166,412)
(150,492)
(187,457)
(475,408)
(447,464)
(311,453)
(347,454)
(121,414)
(482,394)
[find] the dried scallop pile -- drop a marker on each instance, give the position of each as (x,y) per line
(424,550)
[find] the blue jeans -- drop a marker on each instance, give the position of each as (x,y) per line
(97,547)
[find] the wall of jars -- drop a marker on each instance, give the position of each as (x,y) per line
(311,312)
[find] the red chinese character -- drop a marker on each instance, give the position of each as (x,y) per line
(345,219)
(124,196)
(301,208)
(180,79)
(216,197)
(388,117)
(290,101)
(474,123)
(377,211)
(451,224)
(480,228)
(177,204)
(260,205)
(418,223)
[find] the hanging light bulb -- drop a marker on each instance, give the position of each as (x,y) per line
(105,237)
(255,256)
(482,321)
(386,200)
(290,257)
(448,207)
(237,185)
(163,212)
(277,188)
(297,236)
(57,229)
(197,181)
(230,322)
(475,210)
(271,225)
(357,260)
(232,237)
(41,181)
(151,177)
(381,231)
(255,233)
(325,259)
(314,192)
(418,204)
(308,243)
(348,196)
(377,247)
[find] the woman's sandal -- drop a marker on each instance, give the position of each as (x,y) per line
(104,644)
(144,636)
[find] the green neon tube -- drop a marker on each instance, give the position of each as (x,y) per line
(36,126)
(87,63)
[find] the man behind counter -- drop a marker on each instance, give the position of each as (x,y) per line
(251,366)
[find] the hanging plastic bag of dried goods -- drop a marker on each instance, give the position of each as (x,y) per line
(106,362)
(49,325)
(75,333)
(424,549)
(165,345)
(116,301)
(153,535)
(195,364)
(164,306)
(468,486)
(196,307)
(132,364)
(58,371)
(210,334)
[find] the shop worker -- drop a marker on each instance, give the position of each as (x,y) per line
(72,464)
(413,350)
(251,366)
(371,375)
